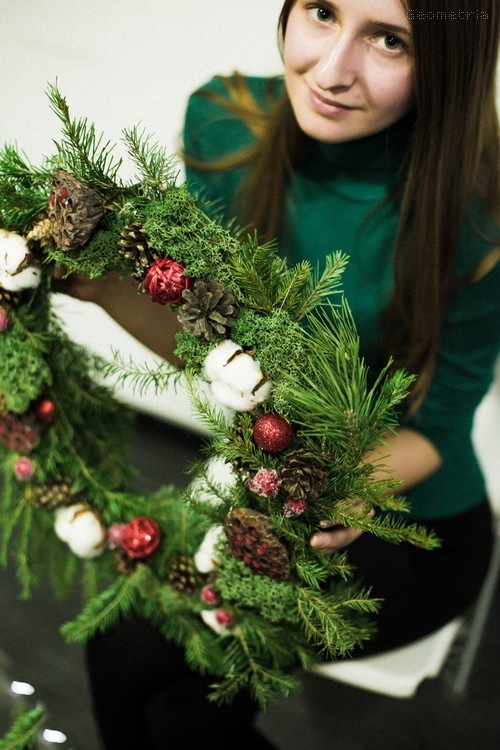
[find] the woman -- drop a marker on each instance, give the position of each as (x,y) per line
(381,141)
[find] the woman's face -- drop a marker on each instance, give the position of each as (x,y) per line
(348,67)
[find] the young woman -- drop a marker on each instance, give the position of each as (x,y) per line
(380,140)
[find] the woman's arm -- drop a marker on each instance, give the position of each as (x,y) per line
(152,324)
(408,457)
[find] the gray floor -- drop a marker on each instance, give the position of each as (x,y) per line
(324,716)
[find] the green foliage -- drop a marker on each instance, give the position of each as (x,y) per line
(308,348)
(22,734)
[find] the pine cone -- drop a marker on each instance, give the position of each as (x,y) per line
(55,494)
(209,309)
(41,232)
(252,541)
(134,246)
(183,575)
(19,432)
(9,298)
(74,210)
(302,475)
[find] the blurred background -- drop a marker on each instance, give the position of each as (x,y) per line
(122,63)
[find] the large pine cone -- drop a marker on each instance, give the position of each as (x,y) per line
(74,210)
(8,298)
(302,475)
(251,540)
(134,246)
(209,309)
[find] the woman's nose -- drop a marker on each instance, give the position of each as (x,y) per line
(338,63)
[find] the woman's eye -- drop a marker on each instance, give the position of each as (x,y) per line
(323,14)
(392,42)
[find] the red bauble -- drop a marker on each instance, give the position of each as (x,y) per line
(165,281)
(45,410)
(140,537)
(272,433)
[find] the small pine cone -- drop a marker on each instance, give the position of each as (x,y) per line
(12,299)
(251,540)
(41,232)
(133,245)
(183,575)
(302,475)
(209,309)
(55,494)
(19,432)
(74,210)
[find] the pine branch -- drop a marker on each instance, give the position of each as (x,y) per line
(104,611)
(142,378)
(156,169)
(23,732)
(321,288)
(81,151)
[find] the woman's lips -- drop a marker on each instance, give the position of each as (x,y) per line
(328,107)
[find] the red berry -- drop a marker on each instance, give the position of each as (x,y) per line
(24,469)
(210,595)
(223,617)
(265,483)
(294,507)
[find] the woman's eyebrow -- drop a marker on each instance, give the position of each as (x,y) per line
(372,24)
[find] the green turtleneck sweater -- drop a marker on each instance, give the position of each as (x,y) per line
(341,200)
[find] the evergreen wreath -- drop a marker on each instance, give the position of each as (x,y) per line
(224,568)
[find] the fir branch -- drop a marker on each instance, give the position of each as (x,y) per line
(104,611)
(141,377)
(156,169)
(81,151)
(23,732)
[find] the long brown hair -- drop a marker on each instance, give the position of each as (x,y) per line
(454,154)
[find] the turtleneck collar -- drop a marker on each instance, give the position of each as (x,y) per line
(378,159)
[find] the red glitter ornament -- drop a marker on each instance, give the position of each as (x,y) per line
(293,507)
(272,433)
(140,537)
(24,470)
(166,280)
(45,410)
(265,482)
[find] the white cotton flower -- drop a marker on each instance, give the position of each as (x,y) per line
(15,273)
(240,400)
(204,558)
(82,530)
(218,357)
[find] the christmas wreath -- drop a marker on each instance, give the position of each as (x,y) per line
(272,365)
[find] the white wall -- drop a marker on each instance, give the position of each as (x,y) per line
(121,63)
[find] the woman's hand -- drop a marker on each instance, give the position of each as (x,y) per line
(335,538)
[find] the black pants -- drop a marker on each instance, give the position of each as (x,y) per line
(146,698)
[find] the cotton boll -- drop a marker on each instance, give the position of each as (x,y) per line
(218,357)
(204,558)
(82,530)
(14,255)
(240,400)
